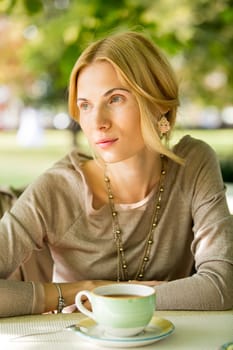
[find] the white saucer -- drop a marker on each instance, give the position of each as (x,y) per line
(157,329)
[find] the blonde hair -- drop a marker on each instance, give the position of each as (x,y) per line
(146,70)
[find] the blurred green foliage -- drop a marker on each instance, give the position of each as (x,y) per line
(197,35)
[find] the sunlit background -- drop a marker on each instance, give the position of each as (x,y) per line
(41,39)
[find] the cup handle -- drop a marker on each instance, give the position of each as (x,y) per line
(80,306)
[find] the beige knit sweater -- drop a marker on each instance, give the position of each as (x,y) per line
(193,242)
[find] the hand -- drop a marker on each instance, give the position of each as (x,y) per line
(90,285)
(69,291)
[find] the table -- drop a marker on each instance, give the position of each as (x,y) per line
(205,330)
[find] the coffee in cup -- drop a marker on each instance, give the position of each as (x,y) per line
(121,309)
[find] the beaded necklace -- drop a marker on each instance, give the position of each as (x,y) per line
(122,266)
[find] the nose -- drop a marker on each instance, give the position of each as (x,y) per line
(101,118)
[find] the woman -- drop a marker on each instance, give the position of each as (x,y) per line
(137,210)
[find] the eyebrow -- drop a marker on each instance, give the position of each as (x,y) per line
(117,88)
(107,93)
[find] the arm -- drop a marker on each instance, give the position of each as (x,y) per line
(69,291)
(23,255)
(23,230)
(211,287)
(206,290)
(25,298)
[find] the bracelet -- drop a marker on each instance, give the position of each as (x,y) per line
(61,300)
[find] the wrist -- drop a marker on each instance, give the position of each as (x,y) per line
(61,301)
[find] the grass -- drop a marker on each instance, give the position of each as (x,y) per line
(20,166)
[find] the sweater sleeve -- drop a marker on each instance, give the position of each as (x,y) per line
(211,287)
(33,221)
(20,298)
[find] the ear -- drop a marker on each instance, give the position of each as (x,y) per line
(163,109)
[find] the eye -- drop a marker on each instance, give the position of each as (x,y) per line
(83,106)
(116,98)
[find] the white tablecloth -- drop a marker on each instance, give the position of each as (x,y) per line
(193,330)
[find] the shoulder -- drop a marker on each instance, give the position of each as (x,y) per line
(62,178)
(196,153)
(189,146)
(201,163)
(71,161)
(68,167)
(200,159)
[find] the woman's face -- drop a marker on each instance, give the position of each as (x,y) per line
(109,113)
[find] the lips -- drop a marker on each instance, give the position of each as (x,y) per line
(104,143)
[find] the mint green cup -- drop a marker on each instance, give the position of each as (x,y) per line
(122,309)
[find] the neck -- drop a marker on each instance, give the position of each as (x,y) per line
(122,266)
(132,180)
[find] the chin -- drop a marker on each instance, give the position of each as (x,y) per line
(110,160)
(113,158)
